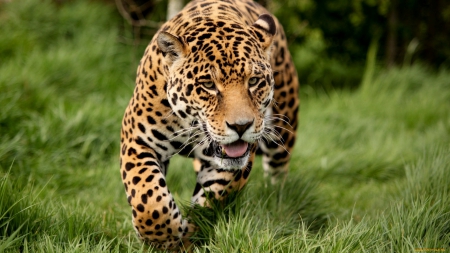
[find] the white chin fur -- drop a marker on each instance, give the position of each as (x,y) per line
(232,164)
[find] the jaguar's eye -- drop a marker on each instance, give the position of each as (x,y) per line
(208,85)
(252,81)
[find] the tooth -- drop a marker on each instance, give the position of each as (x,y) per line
(223,151)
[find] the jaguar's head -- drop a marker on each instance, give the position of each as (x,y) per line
(219,75)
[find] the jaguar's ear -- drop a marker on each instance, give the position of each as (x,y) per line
(171,46)
(265,30)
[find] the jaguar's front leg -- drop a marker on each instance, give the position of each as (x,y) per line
(156,218)
(217,183)
(278,145)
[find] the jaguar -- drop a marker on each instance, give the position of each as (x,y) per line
(216,83)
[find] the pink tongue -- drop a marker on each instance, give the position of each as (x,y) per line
(235,149)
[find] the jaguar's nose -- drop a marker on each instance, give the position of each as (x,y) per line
(240,128)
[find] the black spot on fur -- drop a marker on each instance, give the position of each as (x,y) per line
(155,215)
(151,163)
(149,178)
(150,120)
(159,135)
(217,181)
(205,36)
(136,180)
(281,155)
(162,182)
(182,114)
(145,155)
(141,127)
(165,102)
(131,151)
(141,142)
(198,187)
(144,198)
(129,166)
(189,89)
(140,208)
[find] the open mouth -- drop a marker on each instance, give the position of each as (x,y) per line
(233,150)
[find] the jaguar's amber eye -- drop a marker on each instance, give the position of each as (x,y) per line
(252,81)
(208,85)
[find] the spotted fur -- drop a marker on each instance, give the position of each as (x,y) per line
(216,83)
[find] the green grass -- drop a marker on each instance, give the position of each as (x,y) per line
(369,172)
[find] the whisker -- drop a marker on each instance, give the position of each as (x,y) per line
(272,118)
(169,114)
(283,128)
(194,131)
(197,133)
(284,116)
(183,146)
(274,134)
(178,135)
(198,144)
(189,141)
(183,131)
(278,144)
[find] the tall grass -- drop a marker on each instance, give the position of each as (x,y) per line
(369,172)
